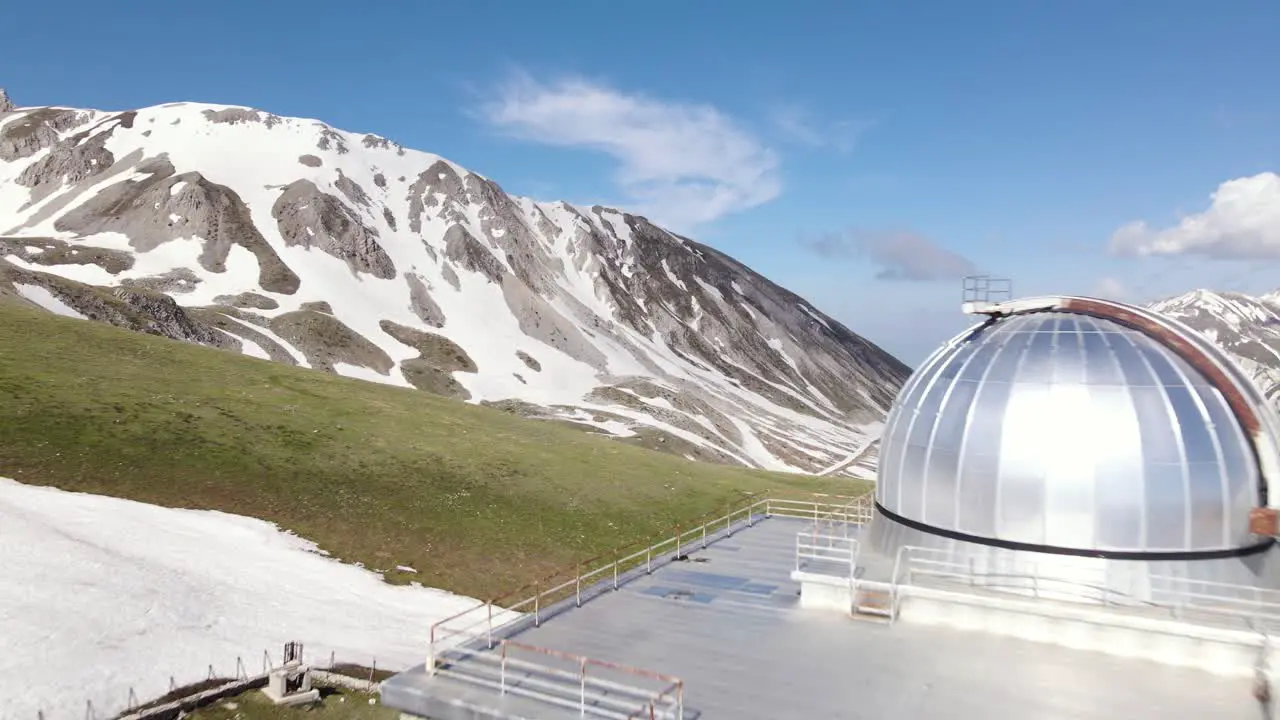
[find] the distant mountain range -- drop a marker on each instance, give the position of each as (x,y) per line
(293,241)
(1245,326)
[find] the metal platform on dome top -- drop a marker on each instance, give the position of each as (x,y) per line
(725,629)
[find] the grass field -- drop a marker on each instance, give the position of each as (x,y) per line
(477,500)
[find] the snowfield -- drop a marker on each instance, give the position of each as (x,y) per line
(99,594)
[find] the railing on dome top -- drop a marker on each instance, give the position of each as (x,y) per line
(474,632)
(1183,598)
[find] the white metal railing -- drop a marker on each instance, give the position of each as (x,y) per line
(832,550)
(1083,581)
(578,685)
(472,632)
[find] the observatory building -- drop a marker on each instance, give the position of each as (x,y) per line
(1084,441)
(1075,491)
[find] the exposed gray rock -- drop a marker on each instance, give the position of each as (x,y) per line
(69,161)
(462,248)
(37,130)
(133,309)
(53,253)
(380,180)
(178,280)
(544,323)
(318,306)
(6,105)
(503,223)
(232,116)
(310,160)
(439,357)
(443,353)
(421,303)
(389,217)
(329,138)
(372,141)
(247,300)
(311,218)
(437,187)
(450,276)
(142,210)
(527,359)
(352,190)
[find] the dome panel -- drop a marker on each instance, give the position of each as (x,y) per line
(1073,432)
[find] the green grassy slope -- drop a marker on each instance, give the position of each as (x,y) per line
(479,501)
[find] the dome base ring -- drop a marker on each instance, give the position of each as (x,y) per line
(1147,555)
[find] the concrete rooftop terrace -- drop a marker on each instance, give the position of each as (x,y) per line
(728,624)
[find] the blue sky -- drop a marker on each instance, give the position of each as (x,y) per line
(862,154)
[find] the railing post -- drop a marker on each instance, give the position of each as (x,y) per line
(678,535)
(577,587)
(502,678)
(489,605)
(704,536)
(728,524)
(537,603)
(615,568)
(431,653)
(648,560)
(680,701)
(582,680)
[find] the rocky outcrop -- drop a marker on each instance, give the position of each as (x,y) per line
(466,251)
(133,309)
(6,105)
(54,253)
(232,116)
(324,340)
(439,357)
(163,206)
(68,162)
(36,131)
(421,303)
(247,300)
(310,218)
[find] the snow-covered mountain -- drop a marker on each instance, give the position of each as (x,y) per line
(1245,326)
(290,240)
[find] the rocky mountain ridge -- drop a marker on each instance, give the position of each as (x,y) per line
(1247,327)
(293,241)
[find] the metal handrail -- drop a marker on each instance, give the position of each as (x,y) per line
(831,548)
(1168,592)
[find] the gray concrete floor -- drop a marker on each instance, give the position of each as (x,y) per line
(728,624)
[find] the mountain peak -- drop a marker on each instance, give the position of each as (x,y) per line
(5,103)
(294,241)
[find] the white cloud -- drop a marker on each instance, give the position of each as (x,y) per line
(680,164)
(798,125)
(1110,288)
(898,255)
(1242,223)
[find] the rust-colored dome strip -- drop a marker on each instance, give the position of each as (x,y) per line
(1174,341)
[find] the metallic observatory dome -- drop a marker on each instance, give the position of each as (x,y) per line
(1071,432)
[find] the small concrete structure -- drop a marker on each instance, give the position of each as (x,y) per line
(290,684)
